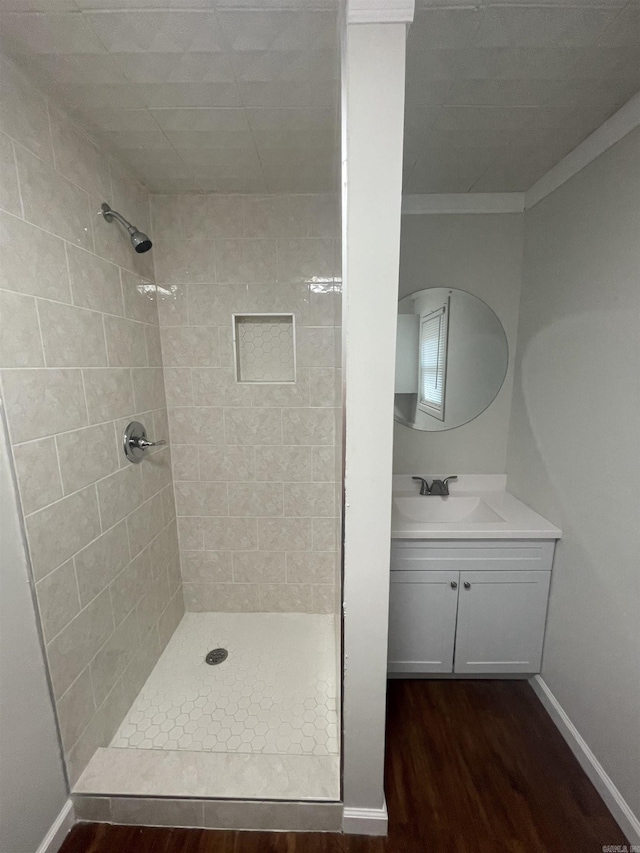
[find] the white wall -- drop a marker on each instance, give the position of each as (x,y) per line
(374,79)
(32,785)
(482,254)
(574,445)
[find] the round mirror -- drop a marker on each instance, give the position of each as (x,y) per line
(451,358)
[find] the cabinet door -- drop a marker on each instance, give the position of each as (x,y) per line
(422,621)
(501,619)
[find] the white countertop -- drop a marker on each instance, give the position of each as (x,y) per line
(520,521)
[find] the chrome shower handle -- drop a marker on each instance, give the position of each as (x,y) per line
(135,441)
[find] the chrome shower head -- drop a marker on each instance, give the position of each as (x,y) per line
(139,241)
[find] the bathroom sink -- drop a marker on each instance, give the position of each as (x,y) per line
(439,510)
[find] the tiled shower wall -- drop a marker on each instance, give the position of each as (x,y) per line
(80,356)
(254,465)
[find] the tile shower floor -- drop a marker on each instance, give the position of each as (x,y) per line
(263,724)
(275,692)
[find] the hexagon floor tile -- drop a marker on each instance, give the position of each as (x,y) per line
(275,693)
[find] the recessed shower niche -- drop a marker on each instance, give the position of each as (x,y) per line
(264,347)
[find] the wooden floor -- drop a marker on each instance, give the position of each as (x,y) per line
(472,767)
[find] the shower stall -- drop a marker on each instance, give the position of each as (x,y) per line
(174,410)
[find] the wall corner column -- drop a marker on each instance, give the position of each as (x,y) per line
(373,79)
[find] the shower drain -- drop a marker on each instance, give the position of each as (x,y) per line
(216,656)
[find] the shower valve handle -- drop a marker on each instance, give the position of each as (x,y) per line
(143,443)
(135,441)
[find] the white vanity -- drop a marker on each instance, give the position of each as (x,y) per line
(470,577)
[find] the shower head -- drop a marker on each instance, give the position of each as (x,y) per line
(139,241)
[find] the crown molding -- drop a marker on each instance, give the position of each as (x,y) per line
(463,203)
(380,11)
(613,130)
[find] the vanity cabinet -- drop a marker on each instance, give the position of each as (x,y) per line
(468,607)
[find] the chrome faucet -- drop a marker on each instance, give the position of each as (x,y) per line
(438,487)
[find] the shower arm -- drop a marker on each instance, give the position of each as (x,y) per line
(110,214)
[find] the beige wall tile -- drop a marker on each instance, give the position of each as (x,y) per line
(284,534)
(147,812)
(56,532)
(163,548)
(218,386)
(77,158)
(128,588)
(86,455)
(178,386)
(323,387)
(38,474)
(168,505)
(9,191)
(253,426)
(165,215)
(144,524)
(185,462)
(140,298)
(254,815)
(190,534)
(95,283)
(99,732)
(255,499)
(207,216)
(318,567)
(221,597)
(305,260)
(23,112)
(153,602)
(323,215)
(310,500)
(316,346)
(33,261)
(213,306)
(58,600)
(120,494)
(20,342)
(286,598)
(241,261)
(141,665)
(72,337)
(201,499)
(111,660)
(229,534)
(75,708)
(324,598)
(72,649)
(109,393)
(92,809)
(276,216)
(325,534)
(170,618)
(43,402)
(172,304)
(148,388)
(207,566)
(259,567)
(154,345)
(227,463)
(53,202)
(308,426)
(190,346)
(283,463)
(126,342)
(101,562)
(324,461)
(156,471)
(196,425)
(183,261)
(282,395)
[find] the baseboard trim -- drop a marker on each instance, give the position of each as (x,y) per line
(615,802)
(365,821)
(59,830)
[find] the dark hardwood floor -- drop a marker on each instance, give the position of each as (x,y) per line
(472,767)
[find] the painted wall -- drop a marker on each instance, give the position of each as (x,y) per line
(80,357)
(254,464)
(482,254)
(32,785)
(573,444)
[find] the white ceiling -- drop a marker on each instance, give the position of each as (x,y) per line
(242,95)
(197,95)
(497,94)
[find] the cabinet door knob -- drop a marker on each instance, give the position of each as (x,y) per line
(467,585)
(454,585)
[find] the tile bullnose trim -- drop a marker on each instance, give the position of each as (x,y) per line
(358,821)
(380,11)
